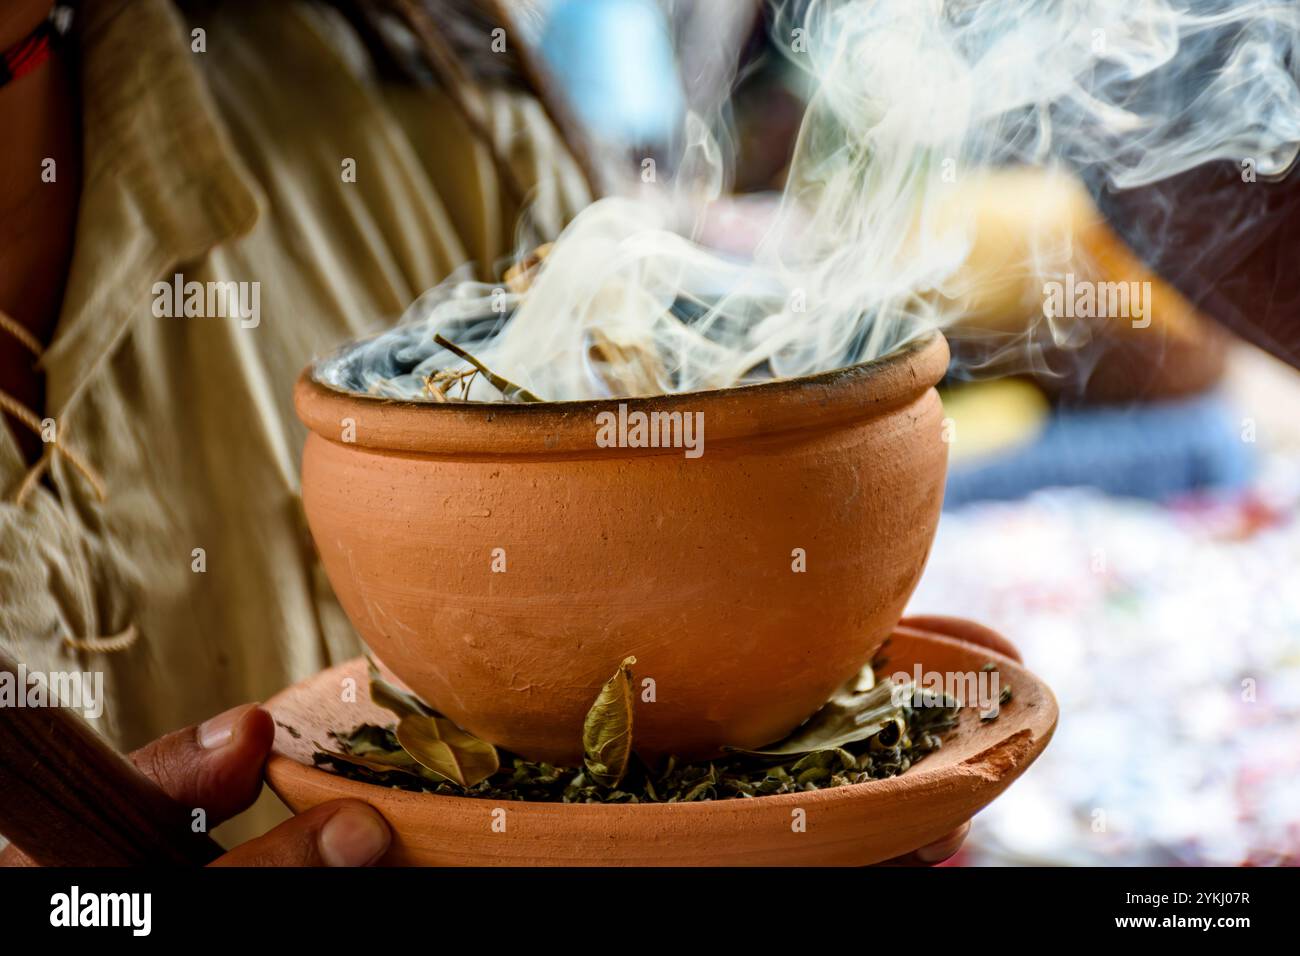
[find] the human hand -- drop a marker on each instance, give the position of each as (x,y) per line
(218,766)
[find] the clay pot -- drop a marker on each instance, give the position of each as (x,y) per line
(502,563)
(844,826)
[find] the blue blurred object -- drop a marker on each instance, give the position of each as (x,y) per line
(615,60)
(1151,451)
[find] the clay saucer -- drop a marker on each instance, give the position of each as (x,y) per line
(843,826)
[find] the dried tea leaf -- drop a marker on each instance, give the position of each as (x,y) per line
(847,718)
(891,735)
(378,749)
(369,739)
(387,763)
(374,754)
(607,731)
(927,717)
(392,698)
(508,389)
(439,745)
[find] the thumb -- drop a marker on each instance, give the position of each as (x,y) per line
(339,833)
(216,765)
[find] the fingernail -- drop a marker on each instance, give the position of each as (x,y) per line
(353,837)
(218,731)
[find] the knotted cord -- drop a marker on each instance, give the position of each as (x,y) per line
(102,645)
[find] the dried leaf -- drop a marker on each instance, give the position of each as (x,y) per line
(859,683)
(847,718)
(390,697)
(377,763)
(607,731)
(927,715)
(439,745)
(374,754)
(368,739)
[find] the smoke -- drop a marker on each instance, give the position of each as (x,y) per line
(871,244)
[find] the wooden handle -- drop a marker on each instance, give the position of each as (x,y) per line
(67,798)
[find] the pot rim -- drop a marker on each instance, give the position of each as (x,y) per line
(567,428)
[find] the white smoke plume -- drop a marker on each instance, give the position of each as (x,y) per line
(865,252)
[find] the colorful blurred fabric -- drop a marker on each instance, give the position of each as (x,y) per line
(1170,634)
(1151,450)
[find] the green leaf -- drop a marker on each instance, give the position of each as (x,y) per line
(847,718)
(439,745)
(392,698)
(607,731)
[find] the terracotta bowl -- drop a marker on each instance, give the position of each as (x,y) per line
(502,564)
(846,826)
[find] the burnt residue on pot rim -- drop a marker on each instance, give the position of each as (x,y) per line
(567,428)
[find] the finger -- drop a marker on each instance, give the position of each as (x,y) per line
(340,833)
(217,765)
(12,856)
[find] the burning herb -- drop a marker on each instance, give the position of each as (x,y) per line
(627,368)
(519,277)
(508,389)
(439,385)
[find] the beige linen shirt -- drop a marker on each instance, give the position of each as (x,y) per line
(228,165)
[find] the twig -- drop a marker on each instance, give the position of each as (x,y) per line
(507,388)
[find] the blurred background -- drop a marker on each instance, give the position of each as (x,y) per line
(1126,514)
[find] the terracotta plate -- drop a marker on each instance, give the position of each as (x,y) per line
(845,826)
